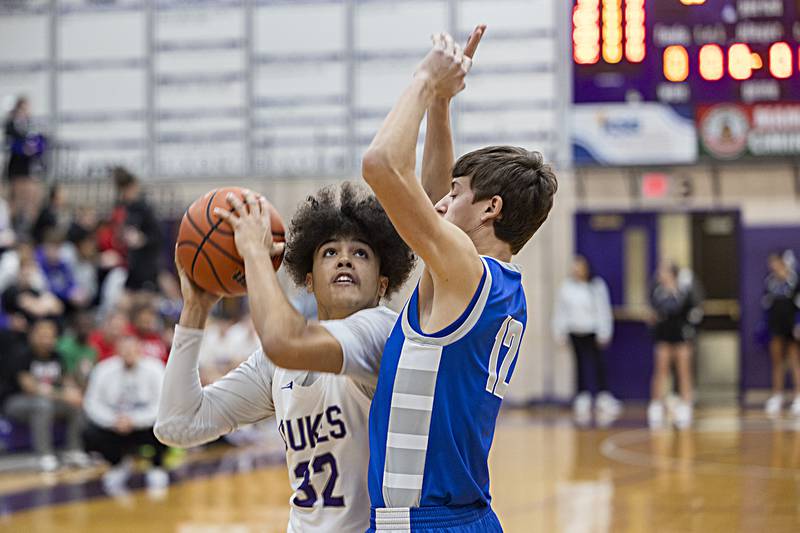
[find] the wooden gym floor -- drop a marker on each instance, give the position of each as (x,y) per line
(734,471)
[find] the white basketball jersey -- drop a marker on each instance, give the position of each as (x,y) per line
(324,424)
(325,429)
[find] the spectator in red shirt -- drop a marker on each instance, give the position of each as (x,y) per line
(109,238)
(104,340)
(148,327)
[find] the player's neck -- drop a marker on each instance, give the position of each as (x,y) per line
(334,313)
(324,313)
(493,248)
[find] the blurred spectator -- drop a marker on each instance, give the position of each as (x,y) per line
(24,151)
(168,331)
(53,217)
(779,301)
(14,340)
(7,235)
(583,316)
(77,354)
(59,274)
(42,393)
(29,297)
(148,328)
(229,339)
(113,295)
(110,240)
(171,301)
(10,264)
(142,233)
(104,340)
(81,255)
(84,222)
(121,405)
(676,303)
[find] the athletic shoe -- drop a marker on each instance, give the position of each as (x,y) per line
(48,463)
(671,403)
(773,405)
(655,414)
(683,415)
(157,478)
(116,479)
(796,406)
(582,405)
(77,458)
(607,404)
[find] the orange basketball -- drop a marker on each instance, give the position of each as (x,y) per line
(206,250)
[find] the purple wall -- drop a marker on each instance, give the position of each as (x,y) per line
(629,359)
(756,244)
(630,356)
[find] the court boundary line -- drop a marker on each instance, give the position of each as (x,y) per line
(612,447)
(67,493)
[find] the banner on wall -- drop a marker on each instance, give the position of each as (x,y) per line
(646,133)
(731,131)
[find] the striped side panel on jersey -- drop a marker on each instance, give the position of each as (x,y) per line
(409,423)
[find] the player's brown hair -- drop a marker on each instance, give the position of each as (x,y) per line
(518,176)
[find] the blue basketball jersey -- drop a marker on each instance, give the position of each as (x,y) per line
(433,416)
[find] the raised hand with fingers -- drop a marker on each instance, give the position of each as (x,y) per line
(471,47)
(251,225)
(447,64)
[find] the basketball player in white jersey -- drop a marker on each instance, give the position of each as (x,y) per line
(317,379)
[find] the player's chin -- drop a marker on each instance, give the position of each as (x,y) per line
(348,295)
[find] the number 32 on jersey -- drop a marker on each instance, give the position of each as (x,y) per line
(303,472)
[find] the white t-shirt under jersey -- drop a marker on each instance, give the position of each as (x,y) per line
(323,418)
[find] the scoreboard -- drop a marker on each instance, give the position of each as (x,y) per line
(666,81)
(686,51)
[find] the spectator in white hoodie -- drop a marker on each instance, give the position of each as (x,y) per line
(583,316)
(121,404)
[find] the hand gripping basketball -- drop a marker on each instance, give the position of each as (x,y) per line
(206,247)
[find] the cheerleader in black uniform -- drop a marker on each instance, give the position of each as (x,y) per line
(675,302)
(24,149)
(779,301)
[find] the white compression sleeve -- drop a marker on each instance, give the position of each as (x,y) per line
(189,414)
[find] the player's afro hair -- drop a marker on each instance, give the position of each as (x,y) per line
(346,212)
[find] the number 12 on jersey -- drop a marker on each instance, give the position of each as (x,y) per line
(510,336)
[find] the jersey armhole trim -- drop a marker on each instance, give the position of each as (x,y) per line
(465,327)
(359,392)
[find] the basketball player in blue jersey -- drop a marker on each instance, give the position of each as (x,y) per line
(449,359)
(315,378)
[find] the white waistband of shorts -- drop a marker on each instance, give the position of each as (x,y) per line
(393,519)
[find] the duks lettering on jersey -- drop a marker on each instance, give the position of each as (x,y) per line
(306,432)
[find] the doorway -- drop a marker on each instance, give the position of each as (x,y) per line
(624,249)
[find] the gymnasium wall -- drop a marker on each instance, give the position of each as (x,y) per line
(284,96)
(285,89)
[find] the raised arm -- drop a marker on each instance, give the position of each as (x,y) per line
(438,156)
(190,414)
(389,169)
(288,339)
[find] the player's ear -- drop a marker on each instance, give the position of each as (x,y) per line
(383,286)
(309,283)
(493,209)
